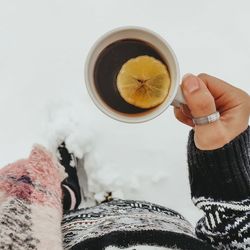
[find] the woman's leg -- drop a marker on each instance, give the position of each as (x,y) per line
(31,203)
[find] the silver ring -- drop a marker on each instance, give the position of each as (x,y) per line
(207,119)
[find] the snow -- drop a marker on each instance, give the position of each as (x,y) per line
(43,46)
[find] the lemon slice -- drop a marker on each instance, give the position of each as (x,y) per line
(143,82)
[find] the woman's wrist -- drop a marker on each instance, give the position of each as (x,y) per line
(215,135)
(211,136)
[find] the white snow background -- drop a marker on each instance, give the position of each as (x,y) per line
(43,47)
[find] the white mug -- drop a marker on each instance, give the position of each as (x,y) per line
(174,97)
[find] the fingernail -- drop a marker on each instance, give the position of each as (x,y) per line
(190,83)
(186,76)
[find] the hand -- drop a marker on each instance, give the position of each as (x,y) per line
(204,95)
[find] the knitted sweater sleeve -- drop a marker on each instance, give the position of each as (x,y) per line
(220,186)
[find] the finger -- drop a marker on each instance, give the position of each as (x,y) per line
(199,99)
(186,111)
(182,117)
(216,86)
(226,96)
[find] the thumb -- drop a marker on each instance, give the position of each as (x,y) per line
(199,99)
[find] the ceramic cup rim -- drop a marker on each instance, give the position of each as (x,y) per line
(174,67)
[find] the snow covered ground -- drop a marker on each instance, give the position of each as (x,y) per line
(43,46)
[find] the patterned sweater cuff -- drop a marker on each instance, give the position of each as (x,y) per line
(222,174)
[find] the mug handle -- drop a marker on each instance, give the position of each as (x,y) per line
(179,99)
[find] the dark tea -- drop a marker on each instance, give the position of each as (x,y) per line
(108,65)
